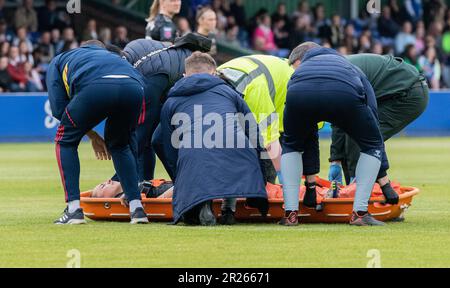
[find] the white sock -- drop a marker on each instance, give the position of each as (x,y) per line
(135,204)
(73,205)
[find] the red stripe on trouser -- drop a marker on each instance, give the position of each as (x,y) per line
(70,118)
(59,136)
(142,117)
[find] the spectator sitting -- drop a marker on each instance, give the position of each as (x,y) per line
(377,48)
(404,38)
(300,32)
(5,78)
(431,67)
(281,26)
(68,42)
(5,36)
(25,54)
(396,12)
(280,33)
(231,37)
(183,26)
(90,33)
(387,27)
(410,56)
(56,39)
(17,71)
(420,37)
(2,10)
(364,44)
(22,36)
(26,16)
(350,41)
(34,83)
(46,47)
(105,35)
(264,40)
(121,38)
(304,12)
(4,50)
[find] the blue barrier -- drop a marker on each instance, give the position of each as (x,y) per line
(27,118)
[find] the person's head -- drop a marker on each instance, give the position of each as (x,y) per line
(23,48)
(68,34)
(121,33)
(5,48)
(13,52)
(319,12)
(22,33)
(265,20)
(430,53)
(45,38)
(377,48)
(56,35)
(281,8)
(92,25)
(232,32)
(407,27)
(299,52)
(115,49)
(342,50)
(206,21)
(199,63)
(430,41)
(166,7)
(350,30)
(411,51)
(336,20)
(105,35)
(386,12)
(3,63)
(183,24)
(109,189)
(28,67)
(97,43)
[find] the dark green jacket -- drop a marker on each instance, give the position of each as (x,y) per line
(388,75)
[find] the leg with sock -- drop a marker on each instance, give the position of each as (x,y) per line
(292,169)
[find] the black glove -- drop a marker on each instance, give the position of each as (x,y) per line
(390,194)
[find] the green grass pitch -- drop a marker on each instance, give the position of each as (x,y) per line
(31,198)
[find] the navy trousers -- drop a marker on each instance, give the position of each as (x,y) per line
(155,91)
(355,112)
(118,101)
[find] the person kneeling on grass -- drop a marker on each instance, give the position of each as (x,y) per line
(205,140)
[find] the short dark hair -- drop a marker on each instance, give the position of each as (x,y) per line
(299,52)
(200,62)
(115,49)
(94,42)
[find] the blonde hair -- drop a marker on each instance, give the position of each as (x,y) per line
(154,10)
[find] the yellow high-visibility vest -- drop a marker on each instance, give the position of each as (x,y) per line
(263,82)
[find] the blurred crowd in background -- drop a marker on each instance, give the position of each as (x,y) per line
(416,30)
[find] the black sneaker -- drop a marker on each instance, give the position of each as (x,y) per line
(139,216)
(227,217)
(365,220)
(390,194)
(206,215)
(74,218)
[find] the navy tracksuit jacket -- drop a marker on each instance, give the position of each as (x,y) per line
(86,86)
(327,87)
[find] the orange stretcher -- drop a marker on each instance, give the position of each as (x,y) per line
(333,210)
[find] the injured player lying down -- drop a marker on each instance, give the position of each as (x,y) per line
(113,189)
